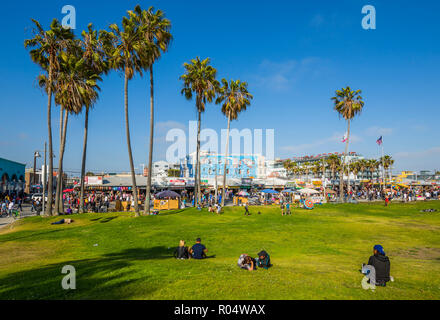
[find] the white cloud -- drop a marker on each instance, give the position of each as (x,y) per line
(379,131)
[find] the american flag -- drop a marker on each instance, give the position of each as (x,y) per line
(379,141)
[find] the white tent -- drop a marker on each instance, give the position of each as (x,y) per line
(308,191)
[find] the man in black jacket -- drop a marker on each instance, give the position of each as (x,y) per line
(381,264)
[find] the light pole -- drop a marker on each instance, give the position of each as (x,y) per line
(36,155)
(44,180)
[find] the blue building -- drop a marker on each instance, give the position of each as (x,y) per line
(211,165)
(12,176)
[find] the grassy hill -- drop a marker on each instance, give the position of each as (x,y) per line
(316,254)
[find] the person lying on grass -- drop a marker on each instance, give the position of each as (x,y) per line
(381,264)
(263,260)
(182,251)
(198,251)
(62,221)
(246,262)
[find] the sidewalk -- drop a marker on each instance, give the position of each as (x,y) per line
(4,222)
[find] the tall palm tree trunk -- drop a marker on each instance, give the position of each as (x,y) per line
(226,159)
(57,191)
(58,196)
(49,128)
(341,179)
(197,172)
(150,154)
(130,155)
(83,162)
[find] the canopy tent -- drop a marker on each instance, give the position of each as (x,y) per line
(330,191)
(308,191)
(167,194)
(270,191)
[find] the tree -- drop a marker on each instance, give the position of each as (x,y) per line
(348,103)
(373,166)
(354,167)
(235,98)
(290,166)
(124,51)
(75,87)
(199,79)
(96,64)
(155,33)
(387,162)
(46,46)
(334,162)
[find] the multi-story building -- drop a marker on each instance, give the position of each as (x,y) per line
(212,165)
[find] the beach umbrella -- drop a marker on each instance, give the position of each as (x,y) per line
(270,191)
(308,204)
(167,194)
(288,191)
(243,194)
(68,190)
(308,191)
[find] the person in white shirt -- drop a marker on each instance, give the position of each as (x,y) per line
(10,207)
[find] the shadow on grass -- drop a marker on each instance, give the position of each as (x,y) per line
(110,276)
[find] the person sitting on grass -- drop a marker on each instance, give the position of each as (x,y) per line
(198,251)
(246,262)
(263,260)
(219,209)
(381,264)
(182,251)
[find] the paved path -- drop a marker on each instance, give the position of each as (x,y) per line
(5,222)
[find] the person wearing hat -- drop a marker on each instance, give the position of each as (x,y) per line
(381,264)
(198,251)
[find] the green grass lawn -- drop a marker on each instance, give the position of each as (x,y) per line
(316,254)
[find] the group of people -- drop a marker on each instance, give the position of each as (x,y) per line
(10,204)
(198,251)
(246,262)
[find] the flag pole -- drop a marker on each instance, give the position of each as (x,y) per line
(383,168)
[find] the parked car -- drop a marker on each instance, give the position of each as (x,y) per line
(39,197)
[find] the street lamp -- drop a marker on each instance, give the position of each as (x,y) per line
(36,155)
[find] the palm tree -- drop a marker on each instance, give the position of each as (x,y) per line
(348,103)
(46,47)
(124,51)
(373,165)
(75,87)
(387,162)
(235,98)
(199,78)
(290,166)
(155,32)
(354,167)
(333,161)
(363,165)
(95,65)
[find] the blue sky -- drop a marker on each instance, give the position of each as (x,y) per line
(293,54)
